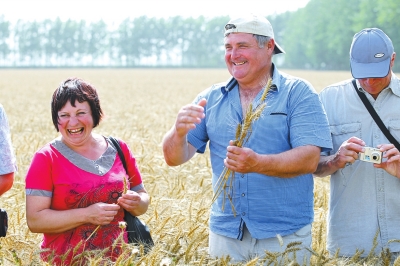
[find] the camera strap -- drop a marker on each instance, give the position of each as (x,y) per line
(376,117)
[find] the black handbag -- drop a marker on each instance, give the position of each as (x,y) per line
(138,231)
(3,222)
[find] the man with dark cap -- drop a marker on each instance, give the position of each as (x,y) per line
(270,201)
(365,191)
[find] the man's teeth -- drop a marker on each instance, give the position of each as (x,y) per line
(239,63)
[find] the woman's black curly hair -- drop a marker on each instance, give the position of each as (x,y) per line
(75,89)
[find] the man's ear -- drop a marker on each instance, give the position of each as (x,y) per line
(392,59)
(271,44)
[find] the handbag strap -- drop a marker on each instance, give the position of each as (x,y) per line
(119,150)
(376,117)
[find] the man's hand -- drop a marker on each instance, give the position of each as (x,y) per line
(392,164)
(189,116)
(176,149)
(241,160)
(348,152)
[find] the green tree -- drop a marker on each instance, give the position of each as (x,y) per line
(4,36)
(319,35)
(213,42)
(95,41)
(29,39)
(202,42)
(388,14)
(130,42)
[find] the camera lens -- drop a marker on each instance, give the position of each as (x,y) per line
(375,156)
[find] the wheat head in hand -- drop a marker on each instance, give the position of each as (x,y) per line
(243,132)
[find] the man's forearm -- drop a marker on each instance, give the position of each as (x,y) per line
(176,149)
(295,162)
(6,182)
(325,166)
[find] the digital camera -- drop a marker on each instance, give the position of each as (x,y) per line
(371,155)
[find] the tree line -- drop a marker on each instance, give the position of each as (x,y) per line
(317,36)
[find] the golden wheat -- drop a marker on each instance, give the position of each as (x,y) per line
(140,106)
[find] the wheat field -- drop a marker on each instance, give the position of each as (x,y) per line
(140,106)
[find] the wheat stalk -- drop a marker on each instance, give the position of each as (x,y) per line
(94,231)
(243,133)
(125,186)
(123,224)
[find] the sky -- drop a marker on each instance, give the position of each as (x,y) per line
(114,11)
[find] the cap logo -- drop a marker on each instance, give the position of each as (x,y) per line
(230,26)
(379,55)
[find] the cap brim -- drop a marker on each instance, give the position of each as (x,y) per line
(278,49)
(370,70)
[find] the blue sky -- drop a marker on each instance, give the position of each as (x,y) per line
(116,10)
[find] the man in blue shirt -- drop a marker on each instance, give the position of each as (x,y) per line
(364,196)
(272,186)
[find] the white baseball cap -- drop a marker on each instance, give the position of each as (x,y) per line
(254,24)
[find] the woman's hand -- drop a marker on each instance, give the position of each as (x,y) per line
(102,213)
(135,202)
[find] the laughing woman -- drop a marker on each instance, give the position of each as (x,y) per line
(75,183)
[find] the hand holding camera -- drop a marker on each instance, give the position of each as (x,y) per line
(353,149)
(372,155)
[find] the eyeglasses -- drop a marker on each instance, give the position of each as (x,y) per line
(66,116)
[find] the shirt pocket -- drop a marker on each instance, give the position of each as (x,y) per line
(342,132)
(394,129)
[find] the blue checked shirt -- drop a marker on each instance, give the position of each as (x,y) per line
(293,117)
(363,199)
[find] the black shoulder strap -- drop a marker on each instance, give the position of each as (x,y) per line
(376,117)
(119,150)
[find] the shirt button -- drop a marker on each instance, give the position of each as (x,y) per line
(376,136)
(243,213)
(100,172)
(96,165)
(242,175)
(243,194)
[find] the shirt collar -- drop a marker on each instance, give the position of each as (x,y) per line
(394,85)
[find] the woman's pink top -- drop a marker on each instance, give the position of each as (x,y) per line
(73,181)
